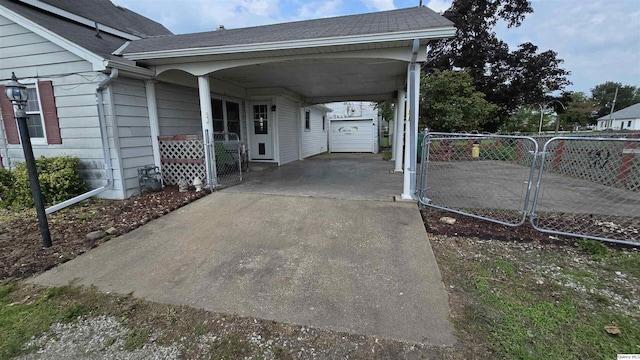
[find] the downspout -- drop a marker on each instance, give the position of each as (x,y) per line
(411,134)
(108,168)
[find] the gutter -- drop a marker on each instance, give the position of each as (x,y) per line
(108,167)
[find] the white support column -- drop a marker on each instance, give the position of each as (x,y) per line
(206,114)
(392,131)
(411,136)
(399,129)
(154,126)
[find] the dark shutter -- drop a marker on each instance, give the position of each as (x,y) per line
(49,112)
(8,118)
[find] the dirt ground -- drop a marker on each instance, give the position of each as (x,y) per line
(24,255)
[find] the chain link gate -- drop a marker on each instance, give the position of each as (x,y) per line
(574,186)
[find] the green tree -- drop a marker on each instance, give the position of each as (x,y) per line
(605,92)
(509,79)
(579,109)
(385,109)
(450,102)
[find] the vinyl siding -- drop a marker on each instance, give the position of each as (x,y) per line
(178,109)
(29,55)
(133,130)
(288,130)
(314,140)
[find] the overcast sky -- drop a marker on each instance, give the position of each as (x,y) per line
(598,39)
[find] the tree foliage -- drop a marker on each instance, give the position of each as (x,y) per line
(605,92)
(508,78)
(385,109)
(450,102)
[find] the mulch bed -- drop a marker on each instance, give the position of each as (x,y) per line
(22,252)
(466,226)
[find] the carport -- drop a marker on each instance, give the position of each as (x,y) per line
(277,69)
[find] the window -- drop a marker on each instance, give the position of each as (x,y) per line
(34,116)
(260,120)
(42,115)
(629,123)
(218,115)
(324,121)
(233,117)
(307,120)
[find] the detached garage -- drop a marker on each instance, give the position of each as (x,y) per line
(353,135)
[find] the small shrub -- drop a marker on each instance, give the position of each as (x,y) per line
(6,187)
(59,180)
(386,155)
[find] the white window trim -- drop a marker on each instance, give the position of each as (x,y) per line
(224,100)
(37,140)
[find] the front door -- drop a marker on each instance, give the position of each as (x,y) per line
(261,133)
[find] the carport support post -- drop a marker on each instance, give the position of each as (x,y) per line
(411,137)
(399,129)
(392,132)
(207,127)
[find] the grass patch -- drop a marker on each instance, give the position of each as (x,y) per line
(386,155)
(529,314)
(233,347)
(596,249)
(23,316)
(136,339)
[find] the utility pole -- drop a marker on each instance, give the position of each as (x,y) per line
(615,98)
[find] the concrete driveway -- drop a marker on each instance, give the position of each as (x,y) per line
(337,176)
(363,267)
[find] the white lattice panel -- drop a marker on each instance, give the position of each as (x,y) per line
(182,158)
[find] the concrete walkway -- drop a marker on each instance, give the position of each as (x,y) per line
(363,267)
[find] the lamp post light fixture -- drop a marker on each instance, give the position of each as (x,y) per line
(542,107)
(18,95)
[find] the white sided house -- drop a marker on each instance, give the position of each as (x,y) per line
(106,83)
(625,119)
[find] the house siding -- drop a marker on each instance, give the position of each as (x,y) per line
(288,130)
(30,55)
(314,140)
(178,110)
(133,130)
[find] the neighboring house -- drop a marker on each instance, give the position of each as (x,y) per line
(106,82)
(625,119)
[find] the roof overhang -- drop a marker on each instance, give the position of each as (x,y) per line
(424,35)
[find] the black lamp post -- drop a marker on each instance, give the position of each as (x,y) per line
(18,95)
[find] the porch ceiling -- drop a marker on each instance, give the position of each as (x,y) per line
(323,80)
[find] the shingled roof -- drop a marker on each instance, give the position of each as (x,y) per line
(77,33)
(630,112)
(394,21)
(107,13)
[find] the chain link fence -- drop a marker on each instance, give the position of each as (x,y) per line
(589,187)
(478,175)
(575,186)
(229,159)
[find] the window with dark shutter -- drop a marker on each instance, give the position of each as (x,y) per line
(42,115)
(49,112)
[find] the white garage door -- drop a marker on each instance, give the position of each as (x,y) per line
(351,136)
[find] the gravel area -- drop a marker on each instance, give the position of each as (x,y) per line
(100,337)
